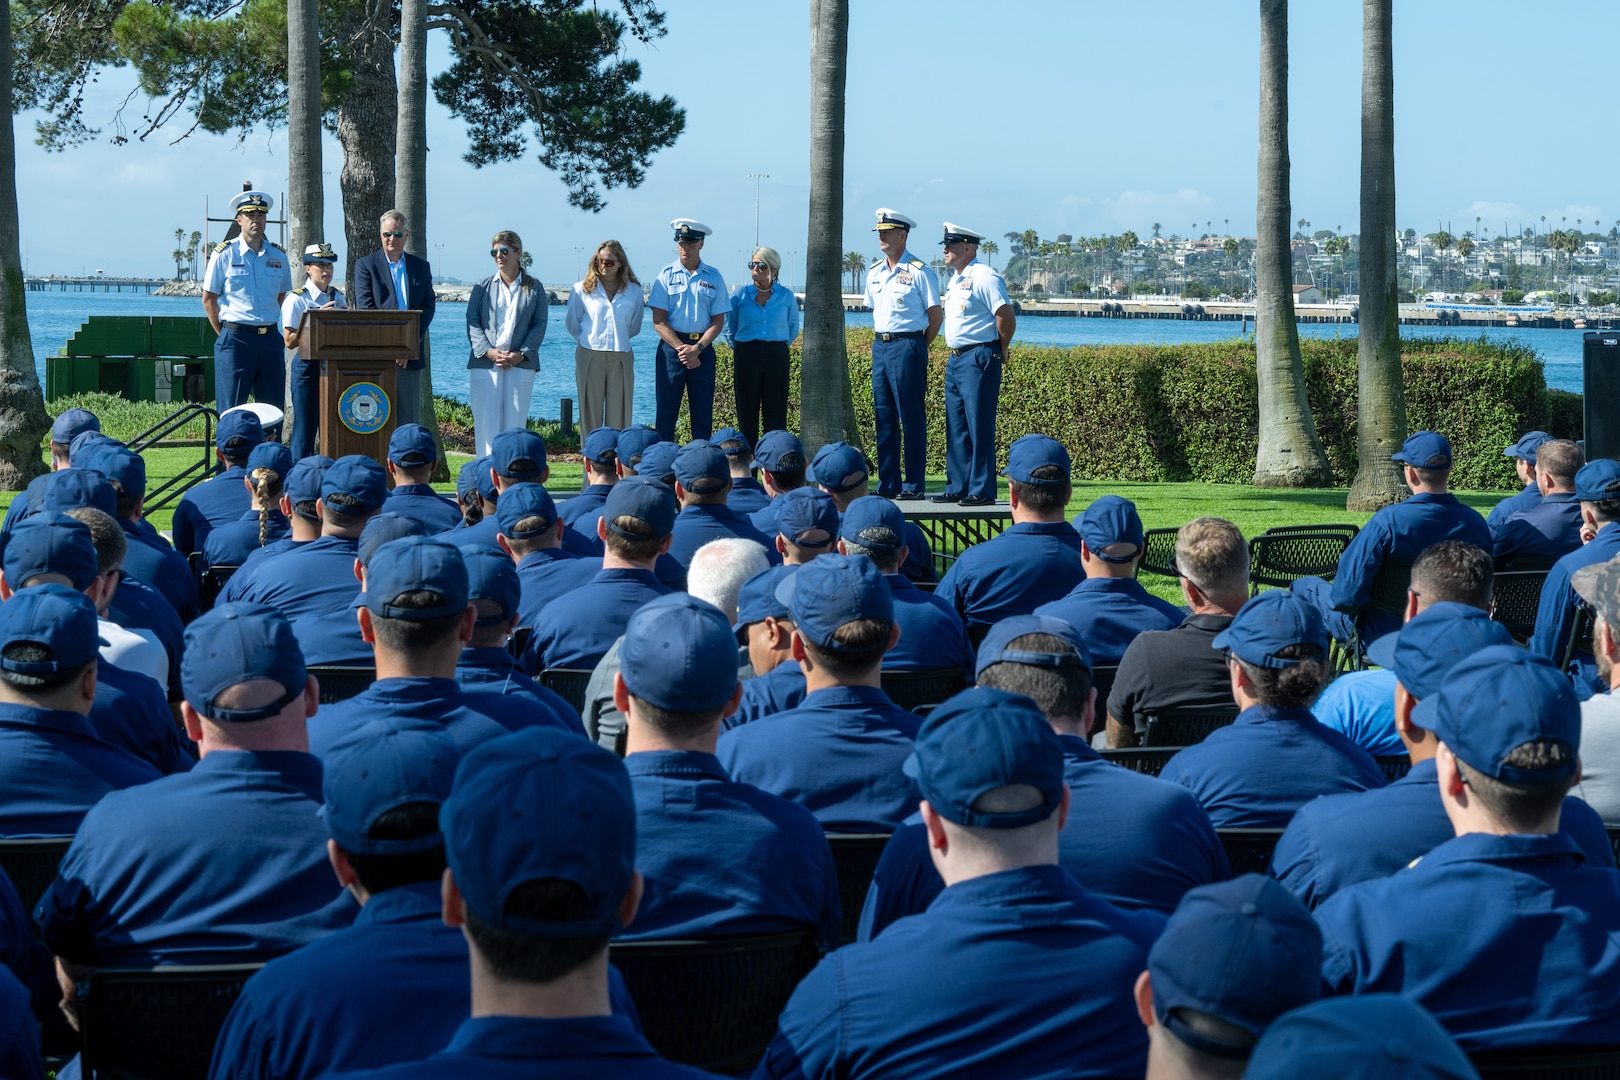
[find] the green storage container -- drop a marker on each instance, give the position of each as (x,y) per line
(140,358)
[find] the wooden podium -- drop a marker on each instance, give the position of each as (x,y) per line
(357,350)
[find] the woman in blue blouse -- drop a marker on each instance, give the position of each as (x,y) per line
(764,319)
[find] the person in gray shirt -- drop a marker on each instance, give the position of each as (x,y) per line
(1599,785)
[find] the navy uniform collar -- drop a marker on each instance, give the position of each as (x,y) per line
(1559,497)
(1441,498)
(413,489)
(30,716)
(1111,585)
(332,543)
(534,1039)
(717,511)
(1041,884)
(1422,772)
(545,555)
(486,656)
(1271,714)
(690,764)
(645,577)
(846,697)
(597,489)
(1485,847)
(295,764)
(899,583)
(1041,528)
(1076,749)
(417,902)
(414,688)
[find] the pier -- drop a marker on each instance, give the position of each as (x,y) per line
(94,283)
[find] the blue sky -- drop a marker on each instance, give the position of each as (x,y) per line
(1075,117)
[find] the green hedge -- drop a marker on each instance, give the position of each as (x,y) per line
(1148,413)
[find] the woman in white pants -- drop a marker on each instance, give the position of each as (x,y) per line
(506,322)
(604,316)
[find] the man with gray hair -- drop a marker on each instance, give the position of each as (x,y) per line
(1599,782)
(393,280)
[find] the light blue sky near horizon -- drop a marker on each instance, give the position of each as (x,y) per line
(1080,117)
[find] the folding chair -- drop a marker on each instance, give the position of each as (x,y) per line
(1515,596)
(31,864)
(855,857)
(1148,761)
(1159,552)
(1249,850)
(1187,725)
(912,690)
(1394,766)
(569,683)
(1278,559)
(340,682)
(142,1024)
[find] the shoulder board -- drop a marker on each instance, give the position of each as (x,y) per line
(222,245)
(918,263)
(277,246)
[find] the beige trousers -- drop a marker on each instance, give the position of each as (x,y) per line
(606,382)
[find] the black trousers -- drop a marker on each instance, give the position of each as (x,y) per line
(761,381)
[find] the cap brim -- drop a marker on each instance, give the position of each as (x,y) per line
(1382,651)
(1222,640)
(911,767)
(784,590)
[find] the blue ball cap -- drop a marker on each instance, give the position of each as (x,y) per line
(679,653)
(1245,951)
(601,445)
(86,445)
(1270,623)
(73,422)
(121,465)
(807,516)
(1033,452)
(757,599)
(541,803)
(996,648)
(467,476)
(303,483)
(699,461)
(380,766)
(731,434)
(1598,480)
(1108,521)
(273,456)
(839,467)
(874,522)
(1497,700)
(1425,450)
(1437,639)
(358,477)
(55,617)
(384,529)
(518,454)
(633,442)
(411,445)
(644,499)
(774,447)
(239,429)
(832,590)
(657,461)
(1365,1037)
(980,740)
(49,542)
(1525,449)
(492,575)
(416,564)
(236,643)
(69,489)
(522,501)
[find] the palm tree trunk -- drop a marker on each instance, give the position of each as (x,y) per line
(1380,387)
(411,171)
(1289,455)
(826,411)
(23,421)
(366,120)
(306,202)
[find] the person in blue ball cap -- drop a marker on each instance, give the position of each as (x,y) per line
(1537,536)
(780,458)
(469,492)
(531,532)
(412,457)
(932,634)
(764,631)
(69,425)
(517,457)
(703,485)
(1523,453)
(1274,757)
(234,542)
(806,525)
(150,557)
(1510,902)
(658,463)
(1368,1037)
(1597,488)
(335,638)
(221,498)
(300,499)
(748,495)
(844,473)
(600,451)
(990,771)
(486,665)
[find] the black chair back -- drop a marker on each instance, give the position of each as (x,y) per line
(1549,1063)
(1158,552)
(1278,559)
(340,682)
(1102,677)
(1515,596)
(714,1004)
(156,1023)
(855,857)
(913,689)
(1149,761)
(926,586)
(1394,766)
(1580,633)
(31,864)
(1389,587)
(1189,724)
(1249,850)
(569,684)
(1614,840)
(1346,529)
(210,580)
(519,641)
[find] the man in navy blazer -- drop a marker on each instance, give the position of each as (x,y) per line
(379,280)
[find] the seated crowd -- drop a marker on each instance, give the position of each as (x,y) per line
(434,870)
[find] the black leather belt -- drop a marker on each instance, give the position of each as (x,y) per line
(901,335)
(249,328)
(996,344)
(693,338)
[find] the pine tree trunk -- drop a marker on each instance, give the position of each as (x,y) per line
(826,411)
(306,201)
(366,122)
(1380,386)
(411,172)
(23,421)
(1290,455)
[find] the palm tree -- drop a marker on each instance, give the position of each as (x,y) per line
(193,246)
(1155,230)
(1289,454)
(1380,382)
(826,412)
(854,263)
(989,249)
(179,253)
(306,200)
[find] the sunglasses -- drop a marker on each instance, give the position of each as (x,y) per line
(758,266)
(497,251)
(607,262)
(393,236)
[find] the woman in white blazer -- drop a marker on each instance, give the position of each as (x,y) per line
(506,322)
(604,316)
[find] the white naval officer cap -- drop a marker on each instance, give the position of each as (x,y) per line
(960,234)
(320,253)
(688,229)
(251,202)
(892,219)
(269,416)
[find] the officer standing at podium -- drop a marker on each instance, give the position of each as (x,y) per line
(689,305)
(979,324)
(318,292)
(246,280)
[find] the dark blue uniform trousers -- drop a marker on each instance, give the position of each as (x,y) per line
(972,387)
(306,404)
(899,383)
(671,378)
(247,362)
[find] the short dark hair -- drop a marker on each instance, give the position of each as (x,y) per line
(343,510)
(26,652)
(638,550)
(888,559)
(867,640)
(1044,498)
(536,526)
(1605,510)
(379,873)
(414,637)
(309,510)
(126,501)
(1290,687)
(791,473)
(1454,571)
(516,957)
(707,487)
(106,534)
(238,454)
(1520,806)
(674,723)
(1057,691)
(1432,477)
(1561,459)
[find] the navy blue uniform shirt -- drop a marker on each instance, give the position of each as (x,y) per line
(1507,940)
(23,956)
(234,542)
(19,1033)
(1267,764)
(152,559)
(838,754)
(225,864)
(1339,840)
(1549,530)
(724,859)
(589,501)
(547,575)
(1511,505)
(697,525)
(778,690)
(311,579)
(483,533)
(333,637)
(137,606)
(1020,973)
(54,768)
(468,718)
(1135,841)
(256,561)
(1555,617)
(1108,613)
(132,713)
(494,671)
(932,634)
(421,502)
(1030,564)
(578,632)
(210,504)
(747,496)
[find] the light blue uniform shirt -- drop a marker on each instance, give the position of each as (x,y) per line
(1360,705)
(971,302)
(249,285)
(293,308)
(900,298)
(402,293)
(692,297)
(778,320)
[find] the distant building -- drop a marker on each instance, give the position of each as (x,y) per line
(1308,294)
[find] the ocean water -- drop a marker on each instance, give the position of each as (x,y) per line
(53,317)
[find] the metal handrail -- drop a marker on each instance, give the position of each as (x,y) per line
(193,474)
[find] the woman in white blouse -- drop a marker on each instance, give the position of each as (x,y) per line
(506,322)
(604,316)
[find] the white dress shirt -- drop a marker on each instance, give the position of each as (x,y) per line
(505,299)
(605,325)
